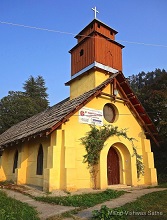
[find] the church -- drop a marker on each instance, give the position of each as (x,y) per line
(45,150)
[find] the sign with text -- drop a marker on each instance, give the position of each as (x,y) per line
(91,116)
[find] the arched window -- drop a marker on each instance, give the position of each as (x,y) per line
(15,163)
(40,161)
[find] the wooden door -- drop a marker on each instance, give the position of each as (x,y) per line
(113,167)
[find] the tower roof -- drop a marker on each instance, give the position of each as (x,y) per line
(92,22)
(96,44)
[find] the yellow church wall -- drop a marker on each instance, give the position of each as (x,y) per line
(32,148)
(100,77)
(55,173)
(86,82)
(22,165)
(76,152)
(25,173)
(150,176)
(3,167)
(76,172)
(77,87)
(63,154)
(2,174)
(6,169)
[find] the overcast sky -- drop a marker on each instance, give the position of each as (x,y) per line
(141,27)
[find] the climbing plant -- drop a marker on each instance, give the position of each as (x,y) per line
(94,143)
(139,164)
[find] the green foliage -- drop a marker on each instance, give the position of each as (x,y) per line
(162,185)
(6,183)
(18,106)
(105,214)
(150,206)
(151,89)
(160,158)
(94,143)
(36,90)
(14,108)
(11,209)
(162,178)
(139,164)
(83,200)
(142,79)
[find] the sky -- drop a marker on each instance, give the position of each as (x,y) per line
(141,27)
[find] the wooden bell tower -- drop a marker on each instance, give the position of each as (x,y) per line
(96,49)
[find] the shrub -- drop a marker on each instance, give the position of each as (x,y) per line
(107,214)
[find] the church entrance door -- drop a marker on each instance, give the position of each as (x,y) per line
(113,169)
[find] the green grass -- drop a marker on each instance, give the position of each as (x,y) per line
(151,206)
(11,209)
(163,185)
(83,200)
(65,215)
(6,182)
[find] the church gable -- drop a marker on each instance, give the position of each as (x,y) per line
(46,122)
(106,108)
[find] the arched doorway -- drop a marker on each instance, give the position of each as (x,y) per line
(113,169)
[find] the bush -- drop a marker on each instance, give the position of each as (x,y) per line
(162,178)
(107,214)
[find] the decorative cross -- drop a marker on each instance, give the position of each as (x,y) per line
(95,10)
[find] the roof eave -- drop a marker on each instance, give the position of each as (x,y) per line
(149,127)
(94,20)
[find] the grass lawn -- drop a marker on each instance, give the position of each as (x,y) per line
(163,185)
(83,200)
(11,209)
(151,206)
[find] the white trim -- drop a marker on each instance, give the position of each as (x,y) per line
(95,64)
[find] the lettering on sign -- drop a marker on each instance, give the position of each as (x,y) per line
(91,116)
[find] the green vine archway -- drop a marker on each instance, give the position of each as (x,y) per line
(94,143)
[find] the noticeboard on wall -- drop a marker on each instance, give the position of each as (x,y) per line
(91,116)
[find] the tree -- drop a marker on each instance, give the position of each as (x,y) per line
(151,89)
(35,89)
(18,106)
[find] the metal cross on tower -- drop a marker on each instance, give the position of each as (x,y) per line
(95,10)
